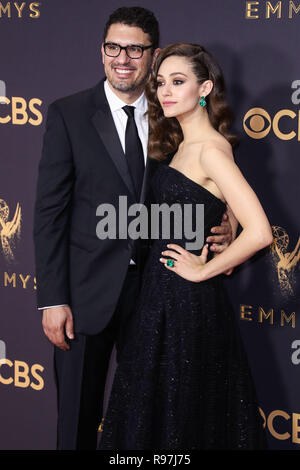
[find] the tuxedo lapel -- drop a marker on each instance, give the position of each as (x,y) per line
(103,121)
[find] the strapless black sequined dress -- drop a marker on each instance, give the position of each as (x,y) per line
(183,380)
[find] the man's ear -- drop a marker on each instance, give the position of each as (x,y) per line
(155,54)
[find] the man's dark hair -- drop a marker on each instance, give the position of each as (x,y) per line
(136,16)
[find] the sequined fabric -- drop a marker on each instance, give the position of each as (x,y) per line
(183,380)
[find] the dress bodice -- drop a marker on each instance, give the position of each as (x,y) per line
(171,187)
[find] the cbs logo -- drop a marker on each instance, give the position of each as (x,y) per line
(21,375)
(277,424)
(258,123)
(21,112)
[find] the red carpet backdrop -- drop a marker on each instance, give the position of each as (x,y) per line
(50,49)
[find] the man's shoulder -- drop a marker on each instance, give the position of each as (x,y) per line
(79,99)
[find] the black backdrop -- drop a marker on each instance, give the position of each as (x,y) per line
(51,49)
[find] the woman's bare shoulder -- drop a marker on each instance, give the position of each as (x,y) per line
(216,147)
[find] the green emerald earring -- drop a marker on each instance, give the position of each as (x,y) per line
(202,102)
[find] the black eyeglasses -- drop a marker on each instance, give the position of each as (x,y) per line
(133,51)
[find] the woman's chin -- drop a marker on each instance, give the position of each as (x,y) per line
(168,113)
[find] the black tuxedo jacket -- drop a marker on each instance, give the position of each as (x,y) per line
(82,165)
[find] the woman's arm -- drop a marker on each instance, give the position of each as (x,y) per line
(256,232)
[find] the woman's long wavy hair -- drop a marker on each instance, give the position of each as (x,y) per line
(165,133)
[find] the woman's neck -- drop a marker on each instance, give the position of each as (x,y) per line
(195,125)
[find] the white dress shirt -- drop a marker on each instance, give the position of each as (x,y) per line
(120,117)
(120,120)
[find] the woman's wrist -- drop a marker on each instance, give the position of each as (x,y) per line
(201,274)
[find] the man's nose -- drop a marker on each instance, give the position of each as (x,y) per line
(123,57)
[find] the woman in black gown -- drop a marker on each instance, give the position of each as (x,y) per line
(183,380)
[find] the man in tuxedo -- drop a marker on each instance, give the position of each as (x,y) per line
(94,150)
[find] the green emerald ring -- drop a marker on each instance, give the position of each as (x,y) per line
(170,263)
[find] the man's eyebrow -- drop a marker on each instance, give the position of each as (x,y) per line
(130,44)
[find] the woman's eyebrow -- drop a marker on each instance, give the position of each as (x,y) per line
(174,73)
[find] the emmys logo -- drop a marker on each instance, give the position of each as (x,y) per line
(14,280)
(258,123)
(285,260)
(262,316)
(19,10)
(267,9)
(10,230)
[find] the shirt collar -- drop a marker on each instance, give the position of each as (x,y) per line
(115,103)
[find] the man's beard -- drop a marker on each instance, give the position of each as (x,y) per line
(128,87)
(122,86)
